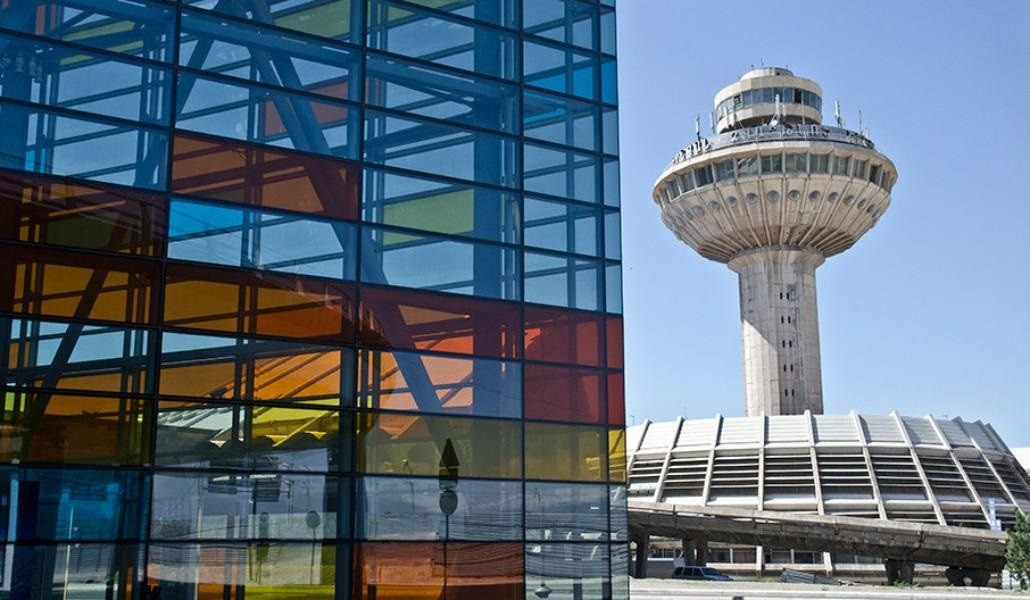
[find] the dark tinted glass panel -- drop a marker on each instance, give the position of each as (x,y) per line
(620,571)
(275,118)
(610,131)
(63,428)
(40,354)
(474,571)
(405,30)
(568,569)
(563,280)
(88,82)
(563,336)
(62,284)
(612,235)
(564,394)
(412,445)
(239,50)
(73,570)
(440,384)
(53,211)
(220,368)
(611,183)
(252,437)
(44,142)
(190,506)
(560,120)
(609,81)
(568,452)
(73,504)
(499,12)
(325,18)
(613,338)
(408,508)
(439,264)
(413,321)
(441,207)
(617,455)
(617,498)
(566,511)
(440,94)
(558,173)
(567,21)
(123,26)
(559,69)
(256,571)
(268,177)
(258,303)
(561,226)
(608,31)
(437,149)
(616,398)
(237,237)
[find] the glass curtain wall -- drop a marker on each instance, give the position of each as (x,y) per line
(310,299)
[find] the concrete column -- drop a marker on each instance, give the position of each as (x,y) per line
(760,560)
(702,553)
(899,571)
(780,330)
(689,549)
(641,559)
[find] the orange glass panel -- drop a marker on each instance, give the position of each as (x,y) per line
(413,444)
(44,281)
(616,398)
(263,176)
(257,303)
(614,342)
(566,452)
(564,394)
(47,210)
(412,571)
(409,320)
(564,336)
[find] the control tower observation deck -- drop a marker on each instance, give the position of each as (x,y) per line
(773,194)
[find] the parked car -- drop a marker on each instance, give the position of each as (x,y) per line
(699,574)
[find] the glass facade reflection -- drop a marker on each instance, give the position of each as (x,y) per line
(310,299)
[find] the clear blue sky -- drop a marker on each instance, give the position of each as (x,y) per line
(930,312)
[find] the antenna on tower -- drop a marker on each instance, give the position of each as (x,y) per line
(836,113)
(776,112)
(712,120)
(860,120)
(697,126)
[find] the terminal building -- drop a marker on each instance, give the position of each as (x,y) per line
(310,299)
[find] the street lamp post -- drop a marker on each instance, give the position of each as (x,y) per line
(448,475)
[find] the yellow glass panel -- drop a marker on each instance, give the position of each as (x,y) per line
(566,452)
(617,455)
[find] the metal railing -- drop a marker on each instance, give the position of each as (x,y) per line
(771,133)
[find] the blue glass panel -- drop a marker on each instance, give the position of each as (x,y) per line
(408,508)
(617,498)
(499,12)
(73,571)
(335,19)
(610,131)
(608,31)
(559,69)
(613,288)
(558,173)
(560,120)
(620,568)
(562,227)
(609,81)
(89,82)
(613,235)
(441,264)
(440,94)
(72,504)
(240,50)
(611,183)
(561,280)
(566,511)
(438,149)
(430,36)
(45,142)
(123,26)
(440,207)
(570,570)
(257,239)
(568,21)
(257,115)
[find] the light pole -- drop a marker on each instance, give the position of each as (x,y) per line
(448,475)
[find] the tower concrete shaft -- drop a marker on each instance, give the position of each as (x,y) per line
(780,331)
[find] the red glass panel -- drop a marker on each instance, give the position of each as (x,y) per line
(614,342)
(263,176)
(49,210)
(616,398)
(409,571)
(563,394)
(61,283)
(409,320)
(564,336)
(258,303)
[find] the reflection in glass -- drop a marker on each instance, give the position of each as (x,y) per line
(563,336)
(559,69)
(563,280)
(566,452)
(408,508)
(559,173)
(568,21)
(564,394)
(562,227)
(570,570)
(566,511)
(560,120)
(617,498)
(74,571)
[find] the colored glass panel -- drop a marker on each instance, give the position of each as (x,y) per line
(561,173)
(42,281)
(468,571)
(616,398)
(563,336)
(73,570)
(414,321)
(408,508)
(566,511)
(325,18)
(566,452)
(568,21)
(439,384)
(499,12)
(559,69)
(413,445)
(562,280)
(617,455)
(225,368)
(62,428)
(262,176)
(564,394)
(561,226)
(53,211)
(614,340)
(568,569)
(560,120)
(258,303)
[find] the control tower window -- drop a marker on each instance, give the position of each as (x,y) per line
(874,173)
(819,163)
(839,164)
(686,182)
(767,95)
(796,162)
(772,163)
(860,168)
(747,165)
(724,169)
(703,175)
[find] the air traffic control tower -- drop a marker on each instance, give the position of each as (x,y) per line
(772,194)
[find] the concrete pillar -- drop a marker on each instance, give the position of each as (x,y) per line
(689,549)
(641,559)
(760,560)
(701,553)
(899,571)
